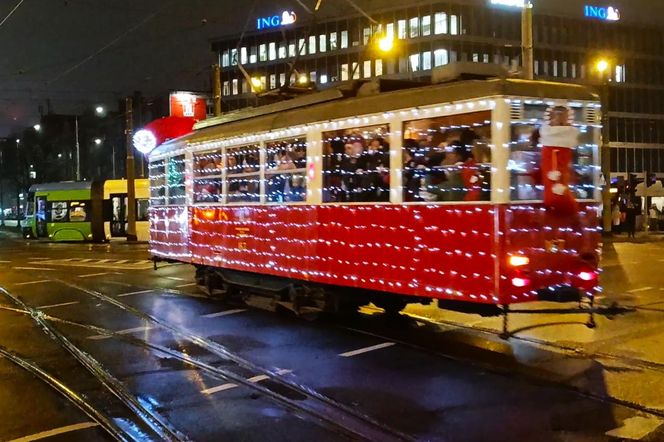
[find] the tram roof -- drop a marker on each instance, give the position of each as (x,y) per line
(364,98)
(65,185)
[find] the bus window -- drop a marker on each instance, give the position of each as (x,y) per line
(142,209)
(59,211)
(243,174)
(447,158)
(78,212)
(285,175)
(356,165)
(157,172)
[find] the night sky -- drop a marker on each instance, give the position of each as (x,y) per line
(78,53)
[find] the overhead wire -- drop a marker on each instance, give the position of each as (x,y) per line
(11,12)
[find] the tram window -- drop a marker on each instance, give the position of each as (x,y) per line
(356,165)
(285,175)
(58,211)
(175,180)
(447,158)
(157,171)
(208,167)
(78,212)
(242,174)
(525,156)
(142,206)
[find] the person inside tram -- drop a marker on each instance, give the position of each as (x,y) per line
(376,180)
(352,169)
(446,183)
(413,170)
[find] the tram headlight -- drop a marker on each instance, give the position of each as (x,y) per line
(520,282)
(518,260)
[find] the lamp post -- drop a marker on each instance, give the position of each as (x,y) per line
(131,189)
(603,69)
(527,41)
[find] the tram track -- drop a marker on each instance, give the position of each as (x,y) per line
(334,415)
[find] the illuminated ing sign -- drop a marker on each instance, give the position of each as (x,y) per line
(606,13)
(286,18)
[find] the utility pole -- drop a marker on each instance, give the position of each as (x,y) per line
(605,155)
(527,41)
(78,151)
(216,89)
(131,188)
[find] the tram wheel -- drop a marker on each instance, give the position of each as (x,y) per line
(392,307)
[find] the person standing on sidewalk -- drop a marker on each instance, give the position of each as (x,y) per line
(615,218)
(653,216)
(630,220)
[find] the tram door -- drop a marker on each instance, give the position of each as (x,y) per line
(119,215)
(40,217)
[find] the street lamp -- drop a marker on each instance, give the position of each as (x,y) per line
(256,84)
(37,127)
(97,141)
(99,110)
(386,43)
(602,65)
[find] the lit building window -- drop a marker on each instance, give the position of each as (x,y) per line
(226,89)
(485,58)
(401,29)
(454,24)
(272,52)
(262,53)
(273,81)
(301,46)
(476,57)
(235,86)
(440,23)
(344,39)
(291,49)
(356,71)
(620,73)
(253,55)
(333,41)
(426,60)
(282,51)
(282,79)
(245,86)
(554,64)
(414,27)
(414,62)
(379,67)
(312,44)
(573,70)
(564,66)
(440,57)
(322,43)
(233,57)
(225,59)
(323,79)
(366,35)
(344,72)
(243,56)
(389,30)
(426,25)
(367,69)
(536,67)
(312,76)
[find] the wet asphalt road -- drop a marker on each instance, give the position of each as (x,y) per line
(410,393)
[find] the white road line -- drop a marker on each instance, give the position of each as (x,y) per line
(191,284)
(5,262)
(39,281)
(56,431)
(253,380)
(140,292)
(90,275)
(57,305)
(636,428)
(36,258)
(642,289)
(121,332)
(120,261)
(34,268)
(359,351)
(174,278)
(224,313)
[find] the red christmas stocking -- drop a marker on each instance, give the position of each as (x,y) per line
(556,164)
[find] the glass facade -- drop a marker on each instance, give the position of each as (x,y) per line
(435,34)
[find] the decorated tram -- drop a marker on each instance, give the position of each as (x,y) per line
(474,194)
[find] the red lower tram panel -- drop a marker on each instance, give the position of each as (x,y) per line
(483,254)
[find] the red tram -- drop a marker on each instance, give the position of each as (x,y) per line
(373,193)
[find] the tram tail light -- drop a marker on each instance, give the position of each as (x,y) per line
(518,260)
(520,282)
(587,276)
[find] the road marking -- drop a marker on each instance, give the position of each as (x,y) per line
(359,351)
(140,292)
(636,428)
(224,313)
(253,380)
(34,268)
(56,431)
(115,264)
(175,278)
(121,332)
(39,281)
(36,258)
(90,275)
(642,289)
(57,305)
(191,284)
(5,262)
